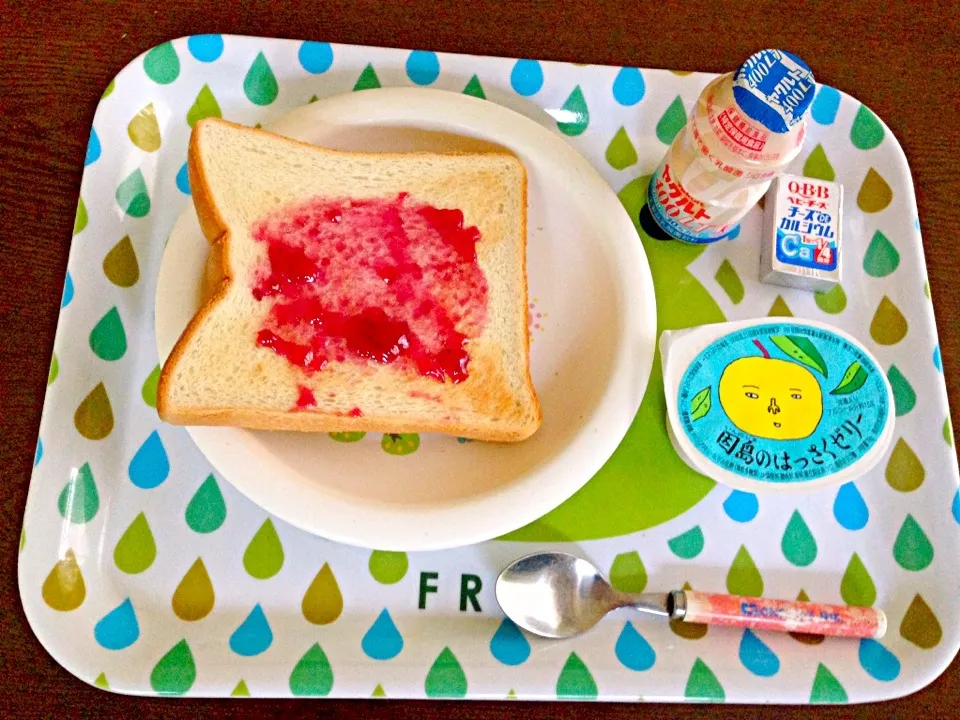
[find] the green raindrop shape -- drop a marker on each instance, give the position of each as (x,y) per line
(175,672)
(687,545)
(832,301)
(194,597)
(882,257)
(867,130)
(101,682)
(948,431)
(162,64)
(368,79)
(322,602)
(888,326)
(575,680)
(64,589)
(575,114)
(132,195)
(120,264)
(23,538)
(378,692)
(904,470)
(818,166)
(621,153)
(313,99)
(107,339)
(54,370)
(671,122)
(798,544)
(826,688)
(856,587)
(729,280)
(780,308)
(511,695)
(688,630)
(206,105)
(743,577)
(627,572)
(260,84)
(702,684)
(874,193)
(920,625)
(149,389)
(94,416)
(79,499)
(110,87)
(81,220)
(388,567)
(904,397)
(446,678)
(474,88)
(263,557)
(207,510)
(312,676)
(241,690)
(136,549)
(912,549)
(144,130)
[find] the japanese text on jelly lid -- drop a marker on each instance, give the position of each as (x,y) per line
(775,88)
(784,403)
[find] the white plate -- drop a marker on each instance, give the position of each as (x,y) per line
(587,272)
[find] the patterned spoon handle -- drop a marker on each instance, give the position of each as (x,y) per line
(780,615)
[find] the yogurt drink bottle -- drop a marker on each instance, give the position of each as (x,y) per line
(746,128)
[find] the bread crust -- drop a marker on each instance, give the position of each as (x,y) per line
(218,281)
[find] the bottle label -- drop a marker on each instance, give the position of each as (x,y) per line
(679,213)
(783,403)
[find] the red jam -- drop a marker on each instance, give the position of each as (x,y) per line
(387,280)
(305,397)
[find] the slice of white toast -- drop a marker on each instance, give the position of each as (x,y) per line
(386,319)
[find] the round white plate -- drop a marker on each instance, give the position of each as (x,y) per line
(588,277)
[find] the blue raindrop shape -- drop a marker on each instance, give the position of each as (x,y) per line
(937,361)
(423,67)
(849,508)
(39,455)
(150,465)
(253,636)
(93,148)
(825,104)
(205,48)
(916,223)
(756,656)
(382,641)
(880,663)
(629,88)
(633,650)
(315,57)
(956,507)
(118,629)
(183,180)
(735,233)
(508,644)
(67,291)
(741,506)
(526,78)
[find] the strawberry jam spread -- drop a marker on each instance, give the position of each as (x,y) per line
(388,280)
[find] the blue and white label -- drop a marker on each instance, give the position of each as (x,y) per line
(783,403)
(775,88)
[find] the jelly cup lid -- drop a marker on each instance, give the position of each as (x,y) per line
(775,88)
(776,405)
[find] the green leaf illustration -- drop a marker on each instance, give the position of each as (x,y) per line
(853,379)
(700,405)
(801,350)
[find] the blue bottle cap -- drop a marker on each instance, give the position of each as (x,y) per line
(775,88)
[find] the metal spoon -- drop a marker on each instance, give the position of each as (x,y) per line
(559,595)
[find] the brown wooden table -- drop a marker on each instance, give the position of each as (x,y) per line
(57,57)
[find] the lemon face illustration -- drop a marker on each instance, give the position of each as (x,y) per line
(771,398)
